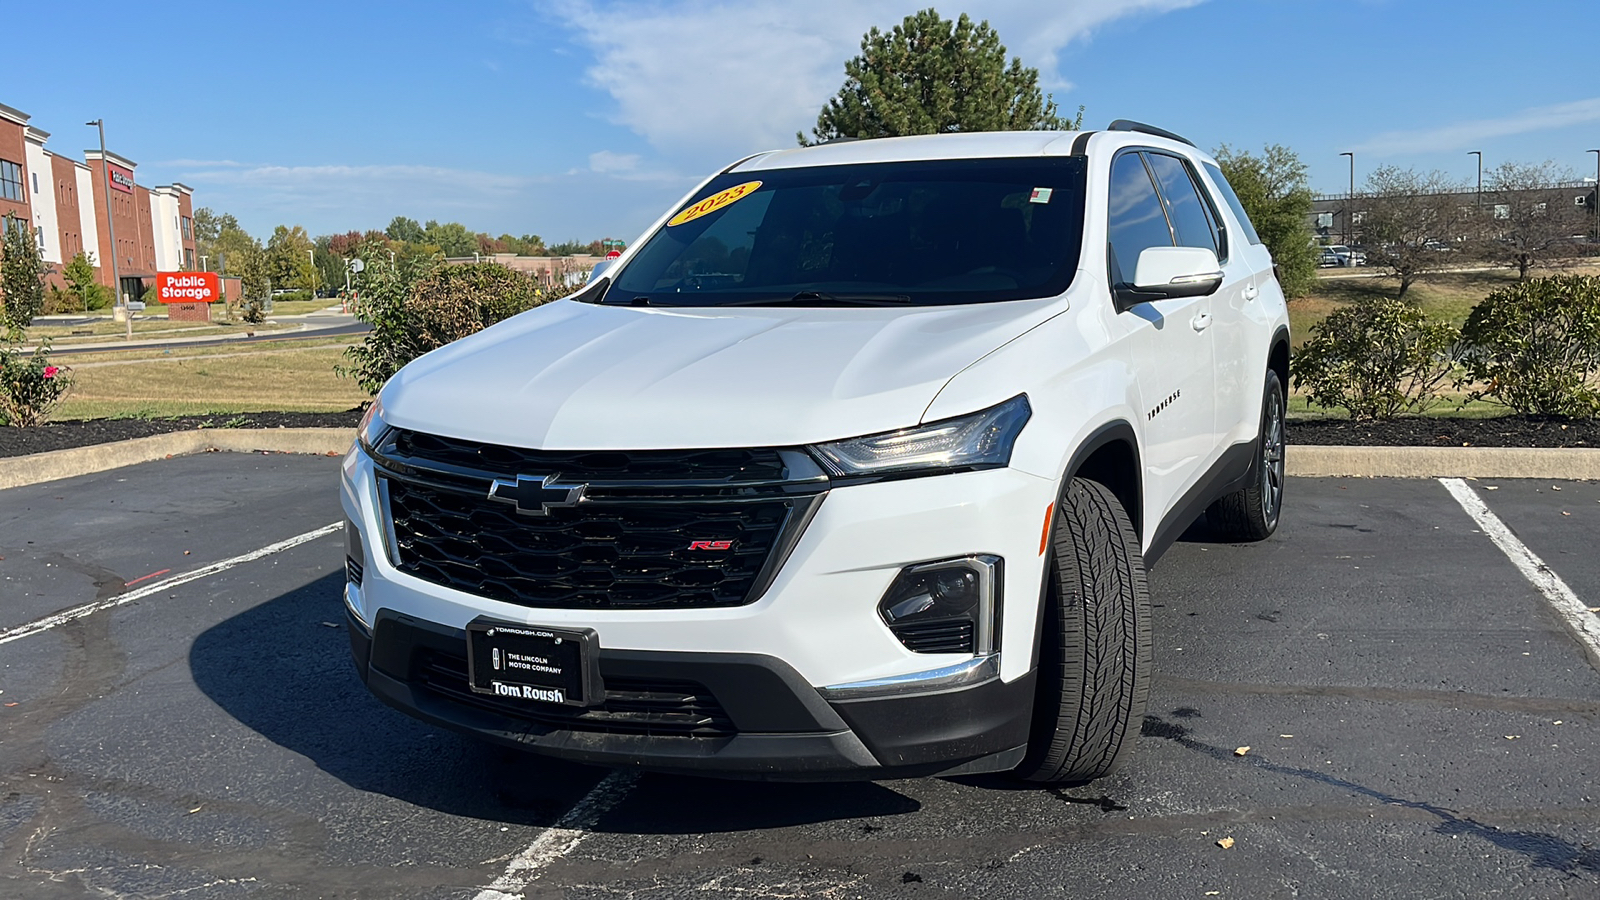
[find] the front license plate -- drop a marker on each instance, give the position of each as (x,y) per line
(532,663)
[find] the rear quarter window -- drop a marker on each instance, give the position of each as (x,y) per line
(1232,200)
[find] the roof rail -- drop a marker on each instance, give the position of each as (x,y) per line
(1130,125)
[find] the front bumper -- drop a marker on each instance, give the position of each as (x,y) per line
(759,718)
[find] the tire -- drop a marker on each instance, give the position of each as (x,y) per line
(1094,648)
(1251,513)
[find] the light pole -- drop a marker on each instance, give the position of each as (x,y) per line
(203,267)
(111,226)
(1350,209)
(313,254)
(1596,210)
(1479,155)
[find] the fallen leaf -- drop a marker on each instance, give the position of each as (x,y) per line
(1512,737)
(1286,735)
(1226,843)
(185,553)
(1490,487)
(1212,893)
(1240,751)
(328,625)
(11,704)
(193,811)
(1556,722)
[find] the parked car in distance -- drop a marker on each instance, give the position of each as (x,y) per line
(1328,259)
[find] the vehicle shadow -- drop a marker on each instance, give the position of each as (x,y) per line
(1543,851)
(283,669)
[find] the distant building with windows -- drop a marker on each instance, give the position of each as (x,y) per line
(71,206)
(1337,218)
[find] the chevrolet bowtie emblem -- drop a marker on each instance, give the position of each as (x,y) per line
(536,495)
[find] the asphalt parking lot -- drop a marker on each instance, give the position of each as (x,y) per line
(1419,723)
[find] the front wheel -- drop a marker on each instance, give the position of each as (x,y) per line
(1251,513)
(1094,648)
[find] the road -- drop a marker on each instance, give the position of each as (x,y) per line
(1419,723)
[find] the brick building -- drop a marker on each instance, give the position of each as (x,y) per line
(72,205)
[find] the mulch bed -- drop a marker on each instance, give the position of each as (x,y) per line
(82,433)
(1505,431)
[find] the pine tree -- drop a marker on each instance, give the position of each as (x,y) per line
(931,76)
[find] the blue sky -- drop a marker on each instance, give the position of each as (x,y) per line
(587,118)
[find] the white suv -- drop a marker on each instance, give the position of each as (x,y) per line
(850,467)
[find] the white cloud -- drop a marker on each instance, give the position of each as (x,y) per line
(1462,135)
(714,75)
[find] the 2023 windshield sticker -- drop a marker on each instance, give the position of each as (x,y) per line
(714,202)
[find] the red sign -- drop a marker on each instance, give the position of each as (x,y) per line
(121,179)
(187,287)
(613,254)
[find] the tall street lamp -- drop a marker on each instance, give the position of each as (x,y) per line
(1596,209)
(1350,208)
(1479,155)
(111,224)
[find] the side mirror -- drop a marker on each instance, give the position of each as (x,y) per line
(600,269)
(1167,272)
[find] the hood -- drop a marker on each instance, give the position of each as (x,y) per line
(576,376)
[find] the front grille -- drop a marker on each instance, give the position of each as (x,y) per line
(948,636)
(631,705)
(653,530)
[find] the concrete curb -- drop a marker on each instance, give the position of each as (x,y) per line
(36,468)
(1303,461)
(1443,462)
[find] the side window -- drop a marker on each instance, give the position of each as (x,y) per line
(1190,218)
(1232,200)
(1136,220)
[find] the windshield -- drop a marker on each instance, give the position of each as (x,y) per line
(912,233)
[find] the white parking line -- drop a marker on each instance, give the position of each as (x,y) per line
(88,609)
(1572,611)
(560,839)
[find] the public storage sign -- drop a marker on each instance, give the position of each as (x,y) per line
(188,287)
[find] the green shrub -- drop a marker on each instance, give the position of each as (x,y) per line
(57,301)
(253,311)
(418,306)
(1378,358)
(29,385)
(1535,346)
(291,296)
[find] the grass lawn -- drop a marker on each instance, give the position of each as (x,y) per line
(209,381)
(1447,296)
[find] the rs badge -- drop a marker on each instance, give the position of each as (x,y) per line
(711,545)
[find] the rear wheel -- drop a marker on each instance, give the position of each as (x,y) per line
(1094,652)
(1251,513)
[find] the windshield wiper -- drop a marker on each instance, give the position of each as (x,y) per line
(826,297)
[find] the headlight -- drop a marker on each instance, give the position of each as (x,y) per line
(980,440)
(371,430)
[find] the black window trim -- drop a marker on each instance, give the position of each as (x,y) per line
(1205,197)
(1172,233)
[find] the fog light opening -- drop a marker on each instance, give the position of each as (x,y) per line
(949,606)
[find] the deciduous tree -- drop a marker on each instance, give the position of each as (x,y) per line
(930,75)
(1413,223)
(1528,221)
(1277,196)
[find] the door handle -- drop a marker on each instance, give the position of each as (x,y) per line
(1251,292)
(1200,322)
